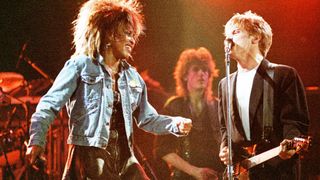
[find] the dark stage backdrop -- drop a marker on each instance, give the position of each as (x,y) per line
(172,25)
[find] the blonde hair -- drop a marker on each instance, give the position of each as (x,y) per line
(98,17)
(256,26)
(189,57)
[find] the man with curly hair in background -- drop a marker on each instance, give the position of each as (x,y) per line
(194,156)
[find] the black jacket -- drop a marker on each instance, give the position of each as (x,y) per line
(290,114)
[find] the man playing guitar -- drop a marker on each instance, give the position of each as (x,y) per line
(268,102)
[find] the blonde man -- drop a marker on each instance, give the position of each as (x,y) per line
(268,100)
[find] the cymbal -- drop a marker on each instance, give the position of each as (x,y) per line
(10,81)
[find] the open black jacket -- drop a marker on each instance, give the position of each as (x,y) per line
(290,114)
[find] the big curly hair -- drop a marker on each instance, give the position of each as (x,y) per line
(98,17)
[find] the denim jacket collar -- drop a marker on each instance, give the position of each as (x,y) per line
(123,64)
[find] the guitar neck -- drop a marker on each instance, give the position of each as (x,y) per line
(298,144)
(260,158)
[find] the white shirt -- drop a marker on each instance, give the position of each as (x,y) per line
(243,92)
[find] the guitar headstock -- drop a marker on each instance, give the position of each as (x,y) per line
(302,144)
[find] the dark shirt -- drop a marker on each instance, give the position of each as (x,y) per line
(201,147)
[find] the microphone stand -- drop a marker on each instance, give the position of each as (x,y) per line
(229,123)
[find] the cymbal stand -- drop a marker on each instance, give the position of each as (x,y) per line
(6,100)
(10,114)
(25,107)
(6,134)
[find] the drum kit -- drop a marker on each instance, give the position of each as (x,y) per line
(17,99)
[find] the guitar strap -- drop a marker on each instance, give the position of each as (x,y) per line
(268,98)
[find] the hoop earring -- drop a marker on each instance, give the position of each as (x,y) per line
(107,46)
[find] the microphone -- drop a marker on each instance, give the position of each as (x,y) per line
(21,55)
(228,44)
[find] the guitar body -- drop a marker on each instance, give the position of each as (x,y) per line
(239,173)
(241,169)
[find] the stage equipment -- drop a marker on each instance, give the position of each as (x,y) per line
(10,81)
(228,43)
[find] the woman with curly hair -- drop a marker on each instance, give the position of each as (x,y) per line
(101,91)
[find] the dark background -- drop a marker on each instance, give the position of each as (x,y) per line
(172,26)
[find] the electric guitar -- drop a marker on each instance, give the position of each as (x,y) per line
(240,170)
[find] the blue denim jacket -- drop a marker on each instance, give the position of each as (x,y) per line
(85,87)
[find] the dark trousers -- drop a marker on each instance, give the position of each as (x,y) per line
(95,163)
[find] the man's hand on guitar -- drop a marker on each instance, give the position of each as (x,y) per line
(287,150)
(224,155)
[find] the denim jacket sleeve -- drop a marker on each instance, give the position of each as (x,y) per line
(151,121)
(51,103)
